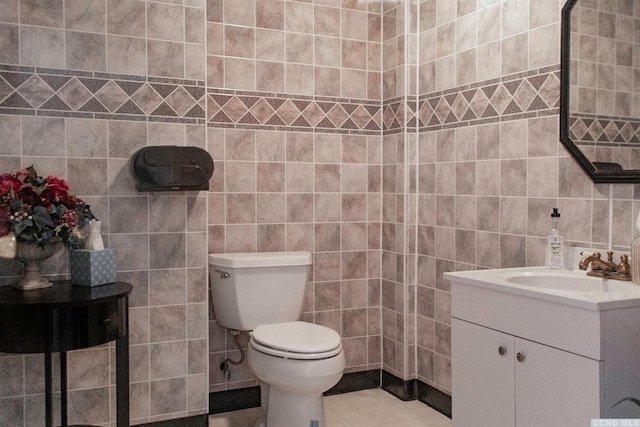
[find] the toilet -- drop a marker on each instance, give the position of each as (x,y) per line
(295,361)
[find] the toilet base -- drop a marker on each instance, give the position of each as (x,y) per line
(291,389)
(291,410)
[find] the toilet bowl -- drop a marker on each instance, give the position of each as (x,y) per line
(295,362)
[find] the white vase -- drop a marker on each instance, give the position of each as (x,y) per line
(31,256)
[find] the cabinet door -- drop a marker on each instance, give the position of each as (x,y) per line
(482,378)
(554,387)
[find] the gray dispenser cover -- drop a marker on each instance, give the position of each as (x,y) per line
(171,168)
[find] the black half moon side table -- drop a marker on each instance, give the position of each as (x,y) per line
(63,318)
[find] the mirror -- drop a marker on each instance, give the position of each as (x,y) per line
(600,87)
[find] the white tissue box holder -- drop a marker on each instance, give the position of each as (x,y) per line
(92,268)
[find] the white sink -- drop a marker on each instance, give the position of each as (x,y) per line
(579,334)
(572,287)
(572,281)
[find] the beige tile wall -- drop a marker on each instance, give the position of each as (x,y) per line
(488,179)
(294,126)
(395,141)
(83,85)
(398,212)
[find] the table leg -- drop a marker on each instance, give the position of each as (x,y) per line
(64,407)
(48,389)
(122,381)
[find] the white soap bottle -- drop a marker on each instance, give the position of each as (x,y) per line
(635,256)
(555,245)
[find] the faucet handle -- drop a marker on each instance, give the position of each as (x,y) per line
(623,270)
(624,266)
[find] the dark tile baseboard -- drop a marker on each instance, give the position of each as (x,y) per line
(356,381)
(233,400)
(417,390)
(194,421)
(434,398)
(403,390)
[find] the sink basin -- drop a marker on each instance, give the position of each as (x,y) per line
(572,287)
(571,282)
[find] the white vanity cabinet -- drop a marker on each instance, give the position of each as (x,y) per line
(502,380)
(518,360)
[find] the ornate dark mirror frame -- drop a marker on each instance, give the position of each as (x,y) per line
(599,172)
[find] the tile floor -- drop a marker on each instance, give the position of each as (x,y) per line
(365,408)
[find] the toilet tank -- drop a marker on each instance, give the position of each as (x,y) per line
(251,289)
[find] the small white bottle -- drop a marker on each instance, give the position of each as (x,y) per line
(555,245)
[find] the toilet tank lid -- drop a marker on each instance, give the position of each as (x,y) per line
(260,259)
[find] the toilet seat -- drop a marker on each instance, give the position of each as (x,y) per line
(296,340)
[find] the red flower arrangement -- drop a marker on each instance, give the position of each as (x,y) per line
(41,210)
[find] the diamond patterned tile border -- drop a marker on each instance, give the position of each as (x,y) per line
(611,131)
(282,112)
(30,91)
(64,93)
(36,91)
(511,98)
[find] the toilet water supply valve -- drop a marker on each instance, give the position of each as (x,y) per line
(224,366)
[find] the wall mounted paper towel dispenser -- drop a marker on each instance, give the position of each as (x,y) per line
(171,168)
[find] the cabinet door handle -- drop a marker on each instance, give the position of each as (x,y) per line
(520,357)
(106,322)
(502,350)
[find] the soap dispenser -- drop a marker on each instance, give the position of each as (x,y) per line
(635,256)
(555,244)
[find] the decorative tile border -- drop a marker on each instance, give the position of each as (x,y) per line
(588,129)
(64,93)
(509,98)
(512,97)
(240,109)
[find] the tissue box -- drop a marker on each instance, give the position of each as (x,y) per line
(92,268)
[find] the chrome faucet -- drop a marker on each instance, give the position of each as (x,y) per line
(606,269)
